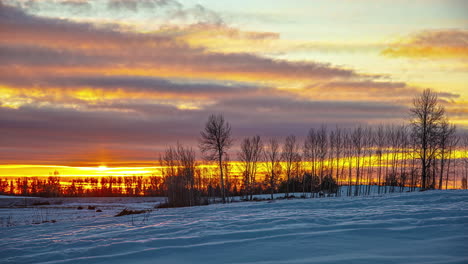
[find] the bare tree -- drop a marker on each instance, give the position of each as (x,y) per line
(178,169)
(272,162)
(426,117)
(214,142)
(446,140)
(227,176)
(464,146)
(357,138)
(187,171)
(348,154)
(414,169)
(380,144)
(249,156)
(452,144)
(404,150)
(393,137)
(331,152)
(297,171)
(368,151)
(338,149)
(310,151)
(322,148)
(289,156)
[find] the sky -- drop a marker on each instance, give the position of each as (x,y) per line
(114,82)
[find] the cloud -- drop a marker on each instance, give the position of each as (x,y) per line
(214,31)
(142,128)
(370,90)
(199,13)
(278,108)
(337,47)
(71,6)
(173,9)
(70,90)
(37,56)
(77,5)
(135,5)
(433,44)
(66,135)
(28,40)
(90,91)
(163,10)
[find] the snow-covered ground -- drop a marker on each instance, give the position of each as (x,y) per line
(419,227)
(14,197)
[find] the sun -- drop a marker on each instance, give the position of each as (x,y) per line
(102,168)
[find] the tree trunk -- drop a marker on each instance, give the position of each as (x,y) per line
(223,194)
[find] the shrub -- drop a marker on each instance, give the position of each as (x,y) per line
(130,212)
(329,185)
(41,203)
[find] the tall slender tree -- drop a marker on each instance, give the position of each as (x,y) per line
(214,143)
(338,150)
(289,156)
(322,147)
(380,144)
(426,117)
(178,169)
(357,138)
(272,157)
(446,139)
(249,156)
(464,145)
(310,152)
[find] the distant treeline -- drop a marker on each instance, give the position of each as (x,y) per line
(56,186)
(114,186)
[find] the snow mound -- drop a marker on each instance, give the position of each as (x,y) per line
(422,227)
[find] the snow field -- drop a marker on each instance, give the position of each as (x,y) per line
(418,227)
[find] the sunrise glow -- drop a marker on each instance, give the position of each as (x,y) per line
(85,92)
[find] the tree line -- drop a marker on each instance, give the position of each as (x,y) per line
(425,153)
(419,154)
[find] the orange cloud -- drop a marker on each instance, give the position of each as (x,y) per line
(116,93)
(44,43)
(81,85)
(440,44)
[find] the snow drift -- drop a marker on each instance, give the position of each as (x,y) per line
(422,227)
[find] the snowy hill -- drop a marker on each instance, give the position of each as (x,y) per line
(420,227)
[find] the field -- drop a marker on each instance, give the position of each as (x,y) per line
(417,227)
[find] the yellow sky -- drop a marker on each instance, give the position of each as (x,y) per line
(118,81)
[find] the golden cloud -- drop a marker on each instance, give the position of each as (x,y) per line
(434,44)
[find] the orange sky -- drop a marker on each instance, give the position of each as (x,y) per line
(87,83)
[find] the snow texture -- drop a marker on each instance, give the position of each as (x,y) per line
(418,227)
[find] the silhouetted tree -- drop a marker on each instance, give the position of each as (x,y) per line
(272,162)
(322,148)
(289,155)
(337,150)
(250,154)
(426,118)
(357,138)
(329,185)
(178,169)
(446,142)
(464,160)
(310,151)
(214,142)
